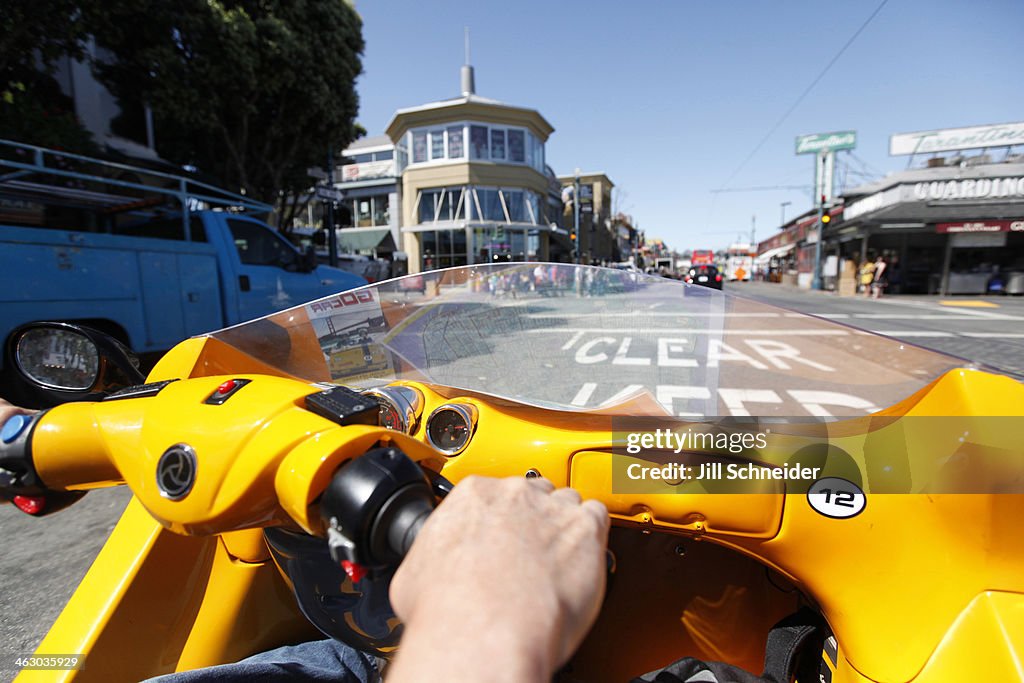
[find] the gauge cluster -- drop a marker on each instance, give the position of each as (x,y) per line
(449,428)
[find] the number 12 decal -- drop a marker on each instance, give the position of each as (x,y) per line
(836,498)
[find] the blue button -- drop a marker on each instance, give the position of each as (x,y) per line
(14,427)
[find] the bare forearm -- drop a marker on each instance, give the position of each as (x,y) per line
(471,647)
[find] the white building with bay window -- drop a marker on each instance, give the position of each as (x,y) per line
(475,185)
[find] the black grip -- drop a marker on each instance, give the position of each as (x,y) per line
(374,507)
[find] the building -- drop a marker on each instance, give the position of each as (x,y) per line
(954,225)
(949,228)
(475,187)
(370,178)
(597,241)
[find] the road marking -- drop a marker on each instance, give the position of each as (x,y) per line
(583,395)
(993,335)
(569,344)
(970,304)
(913,333)
(673,330)
(652,314)
(960,315)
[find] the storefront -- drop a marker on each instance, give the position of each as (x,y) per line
(943,230)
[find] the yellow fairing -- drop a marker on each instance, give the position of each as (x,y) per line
(916,588)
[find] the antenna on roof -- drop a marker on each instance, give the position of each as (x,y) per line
(468,80)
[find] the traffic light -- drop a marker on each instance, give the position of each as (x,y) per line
(826,219)
(572,236)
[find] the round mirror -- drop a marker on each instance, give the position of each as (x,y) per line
(58,358)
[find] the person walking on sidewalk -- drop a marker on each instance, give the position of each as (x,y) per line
(881,277)
(867,277)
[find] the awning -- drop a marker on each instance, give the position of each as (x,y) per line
(355,240)
(774,253)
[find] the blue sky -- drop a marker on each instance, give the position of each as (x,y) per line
(669,97)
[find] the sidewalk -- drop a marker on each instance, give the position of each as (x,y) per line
(761,289)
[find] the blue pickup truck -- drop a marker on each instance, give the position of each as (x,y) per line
(149,257)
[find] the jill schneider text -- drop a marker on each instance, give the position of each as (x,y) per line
(667,439)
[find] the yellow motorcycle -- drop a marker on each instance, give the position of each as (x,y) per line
(757,464)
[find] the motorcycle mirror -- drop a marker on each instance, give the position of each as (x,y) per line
(59,362)
(58,358)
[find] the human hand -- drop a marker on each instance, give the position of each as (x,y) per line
(504,581)
(8,410)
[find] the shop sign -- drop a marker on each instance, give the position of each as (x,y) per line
(950,139)
(978,240)
(970,188)
(825,142)
(981,226)
(368,170)
(947,190)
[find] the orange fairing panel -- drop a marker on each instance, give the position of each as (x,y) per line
(747,515)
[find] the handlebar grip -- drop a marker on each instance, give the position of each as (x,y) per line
(374,507)
(20,482)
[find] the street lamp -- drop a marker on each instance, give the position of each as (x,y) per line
(576,216)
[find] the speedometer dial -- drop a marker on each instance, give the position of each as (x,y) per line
(450,427)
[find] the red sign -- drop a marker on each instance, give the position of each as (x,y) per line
(982,226)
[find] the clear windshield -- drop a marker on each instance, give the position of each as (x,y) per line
(586,338)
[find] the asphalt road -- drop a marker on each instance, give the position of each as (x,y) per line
(42,562)
(703,356)
(987,330)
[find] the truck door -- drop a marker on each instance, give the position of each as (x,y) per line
(269,277)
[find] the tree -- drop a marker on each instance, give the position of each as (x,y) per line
(34,36)
(250,91)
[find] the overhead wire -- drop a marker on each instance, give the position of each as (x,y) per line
(804,94)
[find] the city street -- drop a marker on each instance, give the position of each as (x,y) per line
(987,330)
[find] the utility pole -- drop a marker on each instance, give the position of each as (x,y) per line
(753,228)
(576,217)
(332,236)
(782,218)
(823,169)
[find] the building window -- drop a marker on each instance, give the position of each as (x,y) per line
(419,146)
(478,142)
(436,144)
(447,204)
(455,137)
(443,248)
(364,212)
(382,210)
(497,143)
(484,143)
(516,143)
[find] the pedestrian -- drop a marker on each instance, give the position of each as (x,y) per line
(881,277)
(867,277)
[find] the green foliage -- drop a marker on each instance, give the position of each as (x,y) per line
(34,35)
(251,91)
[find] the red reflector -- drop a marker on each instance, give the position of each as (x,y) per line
(30,505)
(226,387)
(356,572)
(718,278)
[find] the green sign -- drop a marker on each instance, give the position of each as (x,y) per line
(826,142)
